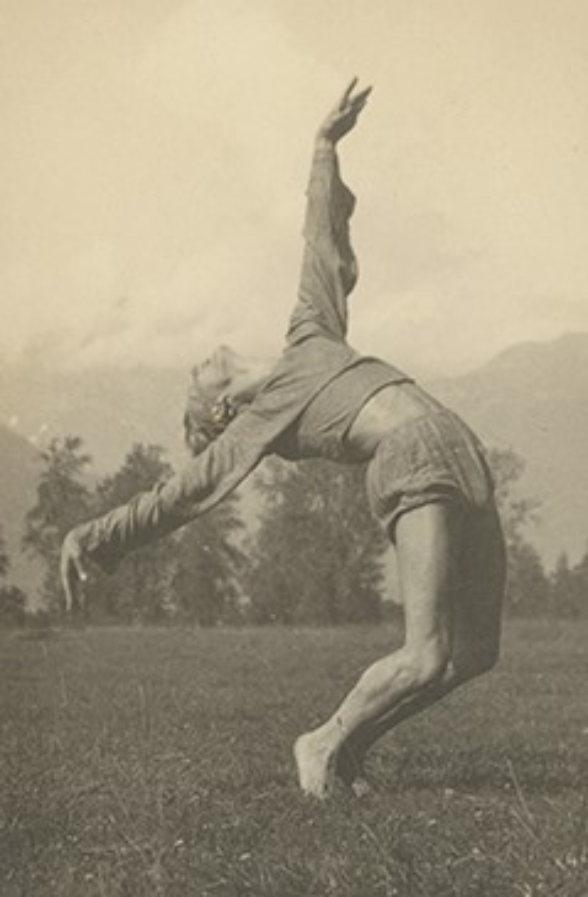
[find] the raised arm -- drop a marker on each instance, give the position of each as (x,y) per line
(329,269)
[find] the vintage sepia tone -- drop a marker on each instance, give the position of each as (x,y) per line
(153,169)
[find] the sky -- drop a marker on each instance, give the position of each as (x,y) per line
(154,158)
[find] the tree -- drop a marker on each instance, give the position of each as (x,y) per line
(4,560)
(318,552)
(139,590)
(516,512)
(580,572)
(12,600)
(528,589)
(569,587)
(209,562)
(63,500)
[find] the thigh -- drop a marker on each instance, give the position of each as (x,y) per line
(452,572)
(428,541)
(478,596)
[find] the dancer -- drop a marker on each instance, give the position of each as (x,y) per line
(428,481)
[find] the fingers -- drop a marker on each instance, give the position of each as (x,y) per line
(68,583)
(361,98)
(70,593)
(344,116)
(73,573)
(357,102)
(347,94)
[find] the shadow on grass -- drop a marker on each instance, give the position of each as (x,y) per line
(548,771)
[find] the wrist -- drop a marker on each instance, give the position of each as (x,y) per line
(324,144)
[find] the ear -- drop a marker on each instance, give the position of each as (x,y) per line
(224,410)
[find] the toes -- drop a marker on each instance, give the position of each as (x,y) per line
(315,768)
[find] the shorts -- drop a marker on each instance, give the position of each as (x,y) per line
(432,458)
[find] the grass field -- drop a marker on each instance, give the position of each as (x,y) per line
(142,762)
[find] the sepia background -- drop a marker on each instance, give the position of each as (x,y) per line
(153,163)
(154,158)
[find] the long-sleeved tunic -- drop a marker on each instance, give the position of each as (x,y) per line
(303,409)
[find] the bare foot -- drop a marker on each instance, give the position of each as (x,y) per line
(316,766)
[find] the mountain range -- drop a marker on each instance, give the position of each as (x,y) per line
(531,398)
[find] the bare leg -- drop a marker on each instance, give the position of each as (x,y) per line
(351,758)
(426,542)
(477,604)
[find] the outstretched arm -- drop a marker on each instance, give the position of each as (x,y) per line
(329,269)
(148,516)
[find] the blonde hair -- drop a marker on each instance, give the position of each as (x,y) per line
(205,418)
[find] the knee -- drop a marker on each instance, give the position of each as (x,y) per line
(428,664)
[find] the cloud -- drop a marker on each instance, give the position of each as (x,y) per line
(233,73)
(154,175)
(239,289)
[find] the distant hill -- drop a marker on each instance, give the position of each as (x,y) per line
(532,398)
(109,408)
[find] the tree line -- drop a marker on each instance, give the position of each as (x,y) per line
(315,555)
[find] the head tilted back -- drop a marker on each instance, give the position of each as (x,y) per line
(206,416)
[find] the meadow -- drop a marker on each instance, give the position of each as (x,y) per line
(139,762)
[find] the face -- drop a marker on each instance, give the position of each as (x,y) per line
(215,373)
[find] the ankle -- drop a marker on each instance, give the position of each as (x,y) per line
(329,737)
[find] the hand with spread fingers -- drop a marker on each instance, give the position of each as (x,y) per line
(343,117)
(73,572)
